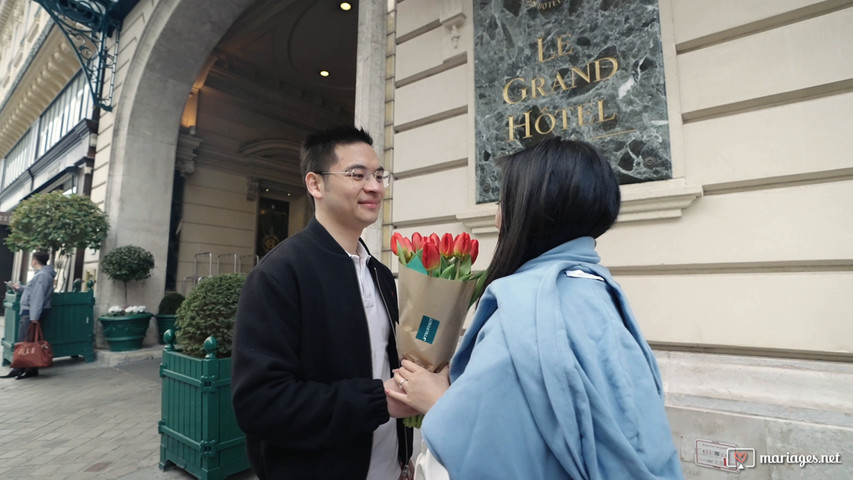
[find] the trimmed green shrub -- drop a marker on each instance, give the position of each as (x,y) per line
(57,222)
(210,309)
(170,303)
(128,263)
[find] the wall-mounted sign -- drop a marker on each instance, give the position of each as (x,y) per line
(5,218)
(581,69)
(544,4)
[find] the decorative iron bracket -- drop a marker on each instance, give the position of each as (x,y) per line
(87,24)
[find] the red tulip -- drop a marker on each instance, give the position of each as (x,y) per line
(433,237)
(460,244)
(445,246)
(417,241)
(474,250)
(408,252)
(394,239)
(406,245)
(430,257)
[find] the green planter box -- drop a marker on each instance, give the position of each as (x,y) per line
(69,327)
(198,430)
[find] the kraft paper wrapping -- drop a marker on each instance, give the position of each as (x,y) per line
(432,312)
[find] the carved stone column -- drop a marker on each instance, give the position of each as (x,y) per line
(186,152)
(370,89)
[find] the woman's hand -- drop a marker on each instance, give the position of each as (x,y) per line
(420,388)
(396,408)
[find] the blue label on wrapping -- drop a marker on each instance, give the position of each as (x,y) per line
(426,332)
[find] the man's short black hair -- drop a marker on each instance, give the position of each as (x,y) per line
(318,149)
(41,257)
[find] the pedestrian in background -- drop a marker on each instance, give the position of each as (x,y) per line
(35,305)
(553,380)
(314,338)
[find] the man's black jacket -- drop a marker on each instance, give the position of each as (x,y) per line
(302,370)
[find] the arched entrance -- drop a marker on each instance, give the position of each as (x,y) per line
(145,134)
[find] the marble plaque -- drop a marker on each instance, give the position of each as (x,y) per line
(580,69)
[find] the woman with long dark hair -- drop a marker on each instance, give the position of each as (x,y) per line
(553,379)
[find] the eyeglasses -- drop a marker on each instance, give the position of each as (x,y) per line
(360,176)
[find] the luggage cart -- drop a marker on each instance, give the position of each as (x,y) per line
(219,262)
(191,281)
(252,258)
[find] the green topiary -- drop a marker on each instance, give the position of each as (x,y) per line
(128,263)
(57,222)
(170,303)
(210,309)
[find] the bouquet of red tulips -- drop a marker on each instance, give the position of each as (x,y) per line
(436,287)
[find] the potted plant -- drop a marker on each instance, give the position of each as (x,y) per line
(198,429)
(60,224)
(125,327)
(166,313)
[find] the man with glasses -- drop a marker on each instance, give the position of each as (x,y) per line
(314,338)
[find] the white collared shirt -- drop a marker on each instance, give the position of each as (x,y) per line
(383,457)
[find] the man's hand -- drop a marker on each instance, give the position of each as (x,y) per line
(396,408)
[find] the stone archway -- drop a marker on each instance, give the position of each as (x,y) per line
(142,132)
(174,44)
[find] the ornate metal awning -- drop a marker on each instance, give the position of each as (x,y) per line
(87,24)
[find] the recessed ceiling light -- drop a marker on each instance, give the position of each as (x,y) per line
(346,6)
(324,73)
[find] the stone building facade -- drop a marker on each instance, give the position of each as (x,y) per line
(737,265)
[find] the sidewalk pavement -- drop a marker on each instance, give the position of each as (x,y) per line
(80,420)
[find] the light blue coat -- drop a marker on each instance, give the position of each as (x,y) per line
(551,382)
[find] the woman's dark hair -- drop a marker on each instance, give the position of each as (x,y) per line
(556,191)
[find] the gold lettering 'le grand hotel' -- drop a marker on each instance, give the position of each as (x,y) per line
(728,125)
(519,89)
